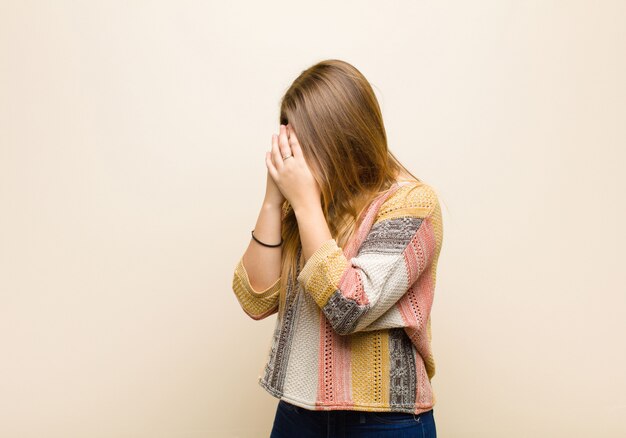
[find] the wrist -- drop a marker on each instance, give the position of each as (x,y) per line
(307,210)
(272,204)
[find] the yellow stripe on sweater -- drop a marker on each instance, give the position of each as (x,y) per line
(370,367)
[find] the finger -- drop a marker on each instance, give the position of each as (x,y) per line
(293,139)
(294,144)
(270,166)
(277,159)
(283,142)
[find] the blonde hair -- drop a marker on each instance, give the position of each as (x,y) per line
(334,112)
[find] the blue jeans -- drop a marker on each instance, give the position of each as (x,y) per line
(293,421)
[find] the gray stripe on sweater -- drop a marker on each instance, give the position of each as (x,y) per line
(343,313)
(390,236)
(276,367)
(402,372)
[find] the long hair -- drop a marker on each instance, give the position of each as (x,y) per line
(335,114)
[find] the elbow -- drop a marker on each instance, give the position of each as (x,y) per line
(256,306)
(343,331)
(260,316)
(346,316)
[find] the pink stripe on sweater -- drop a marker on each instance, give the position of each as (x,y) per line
(343,374)
(335,371)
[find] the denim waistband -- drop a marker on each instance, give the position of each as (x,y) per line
(357,415)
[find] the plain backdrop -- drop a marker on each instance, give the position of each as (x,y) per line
(132,145)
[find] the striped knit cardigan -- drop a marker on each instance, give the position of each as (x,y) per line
(354,332)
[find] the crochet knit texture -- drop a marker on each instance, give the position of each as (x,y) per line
(354,332)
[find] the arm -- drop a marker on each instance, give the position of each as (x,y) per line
(256,278)
(355,295)
(257,304)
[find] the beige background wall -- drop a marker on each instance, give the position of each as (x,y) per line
(132,141)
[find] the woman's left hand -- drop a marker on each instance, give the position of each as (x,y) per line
(292,175)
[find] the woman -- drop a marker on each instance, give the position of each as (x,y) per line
(345,251)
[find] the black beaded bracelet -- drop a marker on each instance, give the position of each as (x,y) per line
(265,244)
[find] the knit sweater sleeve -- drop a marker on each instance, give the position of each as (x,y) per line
(364,292)
(256,304)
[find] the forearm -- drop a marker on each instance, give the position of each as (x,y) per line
(313,228)
(263,263)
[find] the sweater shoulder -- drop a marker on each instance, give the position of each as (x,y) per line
(414,198)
